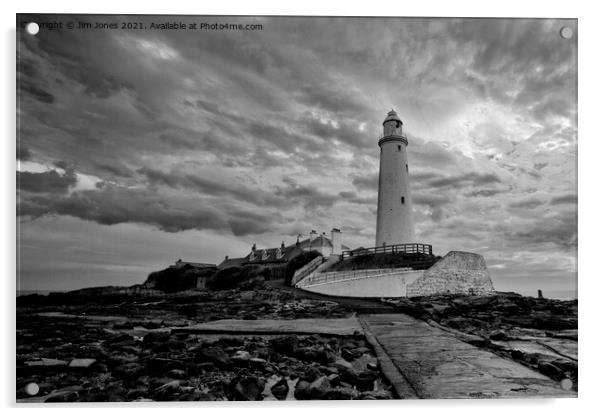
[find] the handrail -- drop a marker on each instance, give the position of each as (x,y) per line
(331,277)
(410,248)
(307,269)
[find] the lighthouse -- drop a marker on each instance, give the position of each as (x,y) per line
(394,223)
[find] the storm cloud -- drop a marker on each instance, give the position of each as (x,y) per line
(224,138)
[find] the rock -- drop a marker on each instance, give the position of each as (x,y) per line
(311,373)
(177,374)
(280,389)
(550,370)
(257,363)
(372,366)
(241,358)
(341,393)
(163,365)
(365,380)
(136,394)
(82,363)
(247,388)
(285,345)
(128,371)
(342,364)
(376,395)
(120,339)
(350,355)
(334,379)
(302,390)
(319,387)
(498,335)
(214,355)
(167,391)
(62,396)
(196,396)
(46,363)
(349,375)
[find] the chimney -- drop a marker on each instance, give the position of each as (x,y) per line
(226,258)
(254,247)
(313,235)
(336,241)
(282,246)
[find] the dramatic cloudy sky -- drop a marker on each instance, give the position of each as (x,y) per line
(140,147)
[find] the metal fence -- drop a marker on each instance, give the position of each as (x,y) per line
(331,277)
(412,248)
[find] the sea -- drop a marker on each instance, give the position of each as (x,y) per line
(551,294)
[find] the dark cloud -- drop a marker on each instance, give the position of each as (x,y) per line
(308,196)
(564,199)
(23,153)
(466,179)
(559,229)
(110,205)
(350,196)
(369,181)
(528,203)
(477,193)
(36,92)
(48,182)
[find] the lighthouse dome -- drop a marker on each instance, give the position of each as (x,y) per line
(392,115)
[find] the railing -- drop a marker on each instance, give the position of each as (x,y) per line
(307,269)
(413,248)
(331,277)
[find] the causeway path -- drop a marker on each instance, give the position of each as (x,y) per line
(427,362)
(437,365)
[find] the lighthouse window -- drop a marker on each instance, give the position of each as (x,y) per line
(403,199)
(399,148)
(407,168)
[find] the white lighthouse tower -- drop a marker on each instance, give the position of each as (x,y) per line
(394,223)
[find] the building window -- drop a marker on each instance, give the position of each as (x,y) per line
(403,199)
(399,148)
(407,170)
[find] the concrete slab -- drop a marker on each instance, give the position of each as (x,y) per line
(341,327)
(438,365)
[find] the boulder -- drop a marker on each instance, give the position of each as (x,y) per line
(82,363)
(341,393)
(285,345)
(167,392)
(247,388)
(376,395)
(302,390)
(214,355)
(280,389)
(319,387)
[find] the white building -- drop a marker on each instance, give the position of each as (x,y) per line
(394,222)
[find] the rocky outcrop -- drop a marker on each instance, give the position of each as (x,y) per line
(459,272)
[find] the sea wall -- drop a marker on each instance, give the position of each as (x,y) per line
(457,272)
(375,285)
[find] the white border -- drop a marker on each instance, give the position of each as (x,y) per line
(589,190)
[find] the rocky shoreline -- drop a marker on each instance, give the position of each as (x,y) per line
(130,353)
(129,348)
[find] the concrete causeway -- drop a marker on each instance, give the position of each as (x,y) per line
(437,365)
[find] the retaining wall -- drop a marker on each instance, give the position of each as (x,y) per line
(457,272)
(375,285)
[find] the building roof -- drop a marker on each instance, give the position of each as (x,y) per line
(235,262)
(319,241)
(392,115)
(273,255)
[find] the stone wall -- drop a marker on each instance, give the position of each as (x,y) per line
(457,272)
